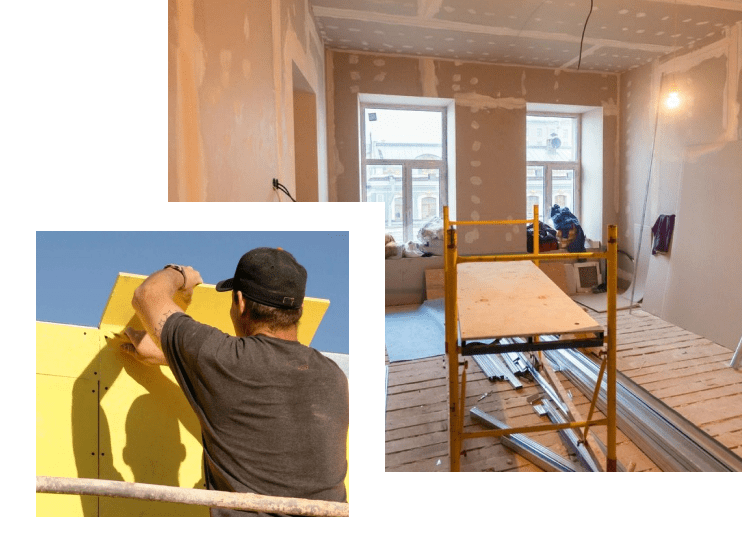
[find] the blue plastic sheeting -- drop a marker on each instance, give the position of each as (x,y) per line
(416,333)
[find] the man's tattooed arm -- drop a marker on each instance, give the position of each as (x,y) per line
(161,323)
(153,300)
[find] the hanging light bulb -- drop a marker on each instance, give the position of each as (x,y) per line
(673,99)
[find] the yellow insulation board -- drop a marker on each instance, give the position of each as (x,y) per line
(66,439)
(207,306)
(100,414)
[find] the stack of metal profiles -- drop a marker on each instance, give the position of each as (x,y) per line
(552,405)
(495,369)
(515,361)
(532,451)
(666,437)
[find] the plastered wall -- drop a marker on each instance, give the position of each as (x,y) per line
(100,414)
(490,130)
(696,174)
(230,97)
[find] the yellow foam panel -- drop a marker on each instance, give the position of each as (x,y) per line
(207,306)
(101,414)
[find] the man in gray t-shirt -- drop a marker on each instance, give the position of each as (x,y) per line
(273,412)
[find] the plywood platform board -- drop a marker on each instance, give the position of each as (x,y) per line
(684,370)
(515,299)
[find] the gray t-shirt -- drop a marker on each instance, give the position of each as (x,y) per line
(273,413)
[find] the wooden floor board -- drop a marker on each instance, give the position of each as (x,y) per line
(686,371)
(731,424)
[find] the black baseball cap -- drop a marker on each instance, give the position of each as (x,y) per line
(270,276)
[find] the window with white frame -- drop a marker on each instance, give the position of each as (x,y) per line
(403,163)
(553,162)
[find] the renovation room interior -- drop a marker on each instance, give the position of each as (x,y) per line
(283,90)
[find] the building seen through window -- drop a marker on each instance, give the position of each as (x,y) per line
(552,153)
(403,166)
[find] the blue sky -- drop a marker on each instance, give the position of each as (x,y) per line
(75,270)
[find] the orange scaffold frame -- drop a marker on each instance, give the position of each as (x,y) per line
(457,382)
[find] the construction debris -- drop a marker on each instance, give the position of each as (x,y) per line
(495,370)
(521,444)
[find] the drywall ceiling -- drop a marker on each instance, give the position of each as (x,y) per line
(620,34)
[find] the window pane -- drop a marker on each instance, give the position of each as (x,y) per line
(384,184)
(551,138)
(403,134)
(535,191)
(426,191)
(563,188)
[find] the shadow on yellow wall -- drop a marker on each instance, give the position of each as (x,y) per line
(100,414)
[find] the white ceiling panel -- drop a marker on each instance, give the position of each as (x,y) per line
(620,34)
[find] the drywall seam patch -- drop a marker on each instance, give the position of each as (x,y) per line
(429,79)
(427,9)
(471,236)
(225,62)
(589,51)
(610,108)
(335,166)
(190,70)
(398,55)
(734,64)
(484,102)
(732,5)
(692,153)
(278,90)
(683,63)
(311,30)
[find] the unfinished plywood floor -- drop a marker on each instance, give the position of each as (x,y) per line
(687,372)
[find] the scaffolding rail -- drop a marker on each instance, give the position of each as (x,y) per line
(215,499)
(457,381)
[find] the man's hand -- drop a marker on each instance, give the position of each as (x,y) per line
(192,279)
(143,348)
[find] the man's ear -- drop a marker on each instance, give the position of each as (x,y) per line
(242,305)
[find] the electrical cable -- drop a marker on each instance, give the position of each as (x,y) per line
(278,186)
(646,195)
(584,28)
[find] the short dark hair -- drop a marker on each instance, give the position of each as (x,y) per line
(274,317)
